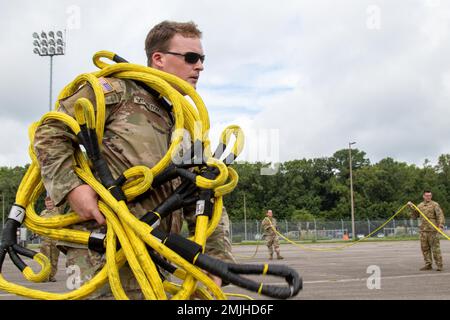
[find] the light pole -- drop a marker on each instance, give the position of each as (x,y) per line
(47,45)
(352,205)
(245,220)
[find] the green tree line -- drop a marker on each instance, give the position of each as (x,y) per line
(320,188)
(9,182)
(10,178)
(314,188)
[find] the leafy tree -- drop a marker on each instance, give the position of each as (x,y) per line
(319,188)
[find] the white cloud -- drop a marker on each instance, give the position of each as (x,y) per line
(311,70)
(14,143)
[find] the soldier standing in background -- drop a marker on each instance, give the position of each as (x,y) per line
(269,225)
(48,246)
(429,238)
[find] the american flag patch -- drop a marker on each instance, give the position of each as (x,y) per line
(106,86)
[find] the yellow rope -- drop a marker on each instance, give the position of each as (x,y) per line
(339,248)
(122,225)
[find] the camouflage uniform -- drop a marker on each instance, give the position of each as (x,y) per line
(429,238)
(137,132)
(48,246)
(270,236)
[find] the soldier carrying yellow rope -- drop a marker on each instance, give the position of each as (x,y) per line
(269,225)
(115,149)
(137,132)
(429,238)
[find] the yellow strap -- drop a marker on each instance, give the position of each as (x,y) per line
(159,216)
(266,267)
(238,295)
(260,288)
(195,258)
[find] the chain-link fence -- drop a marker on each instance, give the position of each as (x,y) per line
(299,230)
(325,230)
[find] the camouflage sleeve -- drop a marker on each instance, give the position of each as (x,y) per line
(265,224)
(54,150)
(54,145)
(439,214)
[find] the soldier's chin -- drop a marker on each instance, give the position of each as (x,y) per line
(193,82)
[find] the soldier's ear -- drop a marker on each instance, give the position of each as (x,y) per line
(157,61)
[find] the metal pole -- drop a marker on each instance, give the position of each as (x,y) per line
(315,229)
(245,220)
(351,190)
(51,82)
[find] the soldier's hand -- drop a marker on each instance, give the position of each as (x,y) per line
(83,200)
(441,226)
(410,204)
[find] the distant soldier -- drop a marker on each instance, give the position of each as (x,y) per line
(429,238)
(269,225)
(48,246)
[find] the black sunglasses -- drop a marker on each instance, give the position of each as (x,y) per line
(189,57)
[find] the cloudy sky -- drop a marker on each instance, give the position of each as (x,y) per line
(303,78)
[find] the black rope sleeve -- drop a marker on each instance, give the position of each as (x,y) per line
(18,262)
(232,273)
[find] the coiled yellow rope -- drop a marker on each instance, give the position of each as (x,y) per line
(122,226)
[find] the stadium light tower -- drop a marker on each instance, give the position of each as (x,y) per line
(49,45)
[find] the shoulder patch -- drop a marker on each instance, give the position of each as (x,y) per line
(106,86)
(117,84)
(112,98)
